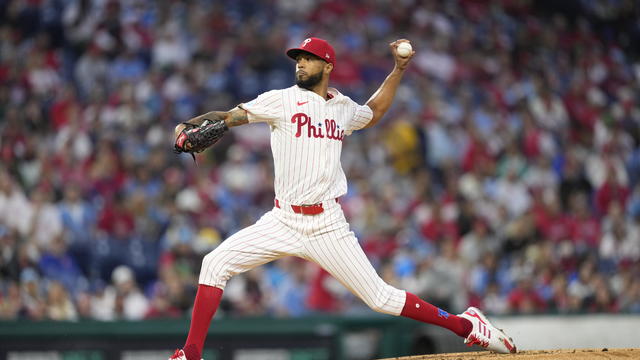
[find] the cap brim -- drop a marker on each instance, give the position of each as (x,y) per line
(293,53)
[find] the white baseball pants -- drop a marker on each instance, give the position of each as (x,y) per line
(324,239)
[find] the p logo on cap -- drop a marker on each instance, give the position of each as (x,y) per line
(316,46)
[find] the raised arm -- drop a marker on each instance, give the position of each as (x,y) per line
(381,100)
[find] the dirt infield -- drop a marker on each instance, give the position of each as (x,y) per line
(578,354)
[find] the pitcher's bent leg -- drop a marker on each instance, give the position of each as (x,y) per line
(265,241)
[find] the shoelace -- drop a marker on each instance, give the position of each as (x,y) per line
(176,355)
(472,339)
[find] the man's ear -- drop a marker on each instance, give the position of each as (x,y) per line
(328,68)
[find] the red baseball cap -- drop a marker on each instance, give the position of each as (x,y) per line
(316,46)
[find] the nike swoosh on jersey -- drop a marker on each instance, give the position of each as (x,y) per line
(301,103)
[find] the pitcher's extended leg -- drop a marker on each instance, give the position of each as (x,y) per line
(340,254)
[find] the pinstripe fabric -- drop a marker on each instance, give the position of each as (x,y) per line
(267,240)
(332,245)
(306,141)
(324,239)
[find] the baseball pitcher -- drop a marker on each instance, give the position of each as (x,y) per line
(308,123)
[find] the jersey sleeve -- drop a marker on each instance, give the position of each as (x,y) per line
(267,107)
(362,115)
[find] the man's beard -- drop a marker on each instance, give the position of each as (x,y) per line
(310,82)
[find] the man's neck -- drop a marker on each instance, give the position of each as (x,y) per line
(322,89)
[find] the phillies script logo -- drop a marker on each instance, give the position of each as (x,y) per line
(331,129)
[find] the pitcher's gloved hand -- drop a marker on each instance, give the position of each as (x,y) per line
(194,139)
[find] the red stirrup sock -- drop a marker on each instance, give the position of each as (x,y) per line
(204,307)
(417,309)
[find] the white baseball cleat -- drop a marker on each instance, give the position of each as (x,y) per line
(179,355)
(485,335)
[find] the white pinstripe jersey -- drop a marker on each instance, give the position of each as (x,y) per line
(306,140)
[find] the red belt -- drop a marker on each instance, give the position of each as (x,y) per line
(314,209)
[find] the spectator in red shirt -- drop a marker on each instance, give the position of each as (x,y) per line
(379,247)
(438,228)
(611,190)
(584,226)
(524,299)
(477,151)
(322,294)
(551,221)
(115,217)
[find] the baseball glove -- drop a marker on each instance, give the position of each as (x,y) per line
(195,139)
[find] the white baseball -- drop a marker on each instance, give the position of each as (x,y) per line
(404,49)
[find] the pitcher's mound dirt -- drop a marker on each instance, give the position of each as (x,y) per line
(577,354)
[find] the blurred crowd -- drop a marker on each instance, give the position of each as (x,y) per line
(505,176)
